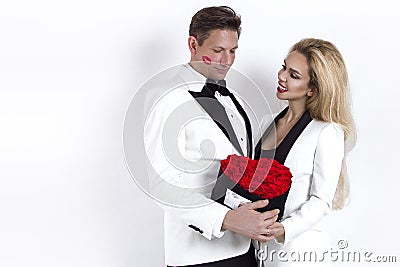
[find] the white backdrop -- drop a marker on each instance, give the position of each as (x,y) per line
(68,70)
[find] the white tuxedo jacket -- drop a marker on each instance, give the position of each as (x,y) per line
(315,161)
(184,147)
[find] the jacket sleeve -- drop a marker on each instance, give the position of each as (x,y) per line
(169,171)
(326,170)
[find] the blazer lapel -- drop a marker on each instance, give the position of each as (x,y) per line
(217,112)
(288,141)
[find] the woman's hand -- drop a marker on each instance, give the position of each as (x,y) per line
(278,231)
(247,221)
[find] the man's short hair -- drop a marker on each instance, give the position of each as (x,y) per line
(213,18)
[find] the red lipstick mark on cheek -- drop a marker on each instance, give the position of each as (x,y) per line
(206,60)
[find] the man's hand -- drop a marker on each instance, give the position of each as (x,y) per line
(246,221)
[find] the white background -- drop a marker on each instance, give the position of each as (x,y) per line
(68,70)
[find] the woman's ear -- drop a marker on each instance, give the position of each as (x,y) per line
(193,44)
(311,92)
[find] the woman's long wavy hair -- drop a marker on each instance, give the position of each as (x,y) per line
(331,100)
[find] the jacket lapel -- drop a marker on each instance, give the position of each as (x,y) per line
(217,112)
(288,141)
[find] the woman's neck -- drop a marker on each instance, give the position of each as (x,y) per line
(295,111)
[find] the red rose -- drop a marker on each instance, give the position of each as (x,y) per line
(266,178)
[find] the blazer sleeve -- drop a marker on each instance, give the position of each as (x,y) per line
(190,205)
(327,164)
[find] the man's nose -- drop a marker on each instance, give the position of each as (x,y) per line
(227,59)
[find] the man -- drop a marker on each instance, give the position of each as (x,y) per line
(195,124)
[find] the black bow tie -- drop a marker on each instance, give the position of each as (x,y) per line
(219,86)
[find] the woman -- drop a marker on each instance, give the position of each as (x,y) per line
(310,136)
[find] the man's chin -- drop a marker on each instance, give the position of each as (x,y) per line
(218,77)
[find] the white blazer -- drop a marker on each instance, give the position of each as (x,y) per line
(315,161)
(177,133)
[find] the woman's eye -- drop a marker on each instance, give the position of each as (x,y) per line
(293,76)
(217,51)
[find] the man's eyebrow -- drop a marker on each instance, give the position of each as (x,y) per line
(223,48)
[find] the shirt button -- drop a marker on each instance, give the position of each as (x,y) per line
(241,138)
(231,115)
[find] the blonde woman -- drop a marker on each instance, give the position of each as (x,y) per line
(311,136)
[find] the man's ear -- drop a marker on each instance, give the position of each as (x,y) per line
(193,44)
